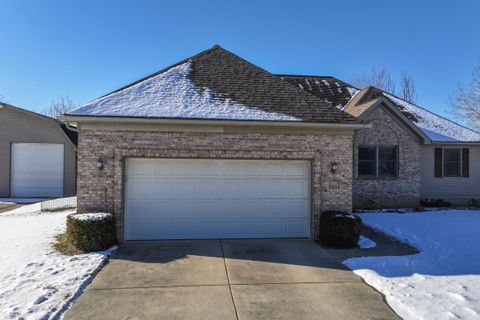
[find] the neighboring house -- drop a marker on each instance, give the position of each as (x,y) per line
(408,154)
(37,155)
(213,147)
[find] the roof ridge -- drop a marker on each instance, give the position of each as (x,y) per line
(315,76)
(303,75)
(215,47)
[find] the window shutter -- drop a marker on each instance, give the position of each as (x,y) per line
(438,162)
(465,162)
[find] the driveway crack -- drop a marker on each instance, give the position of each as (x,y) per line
(228,280)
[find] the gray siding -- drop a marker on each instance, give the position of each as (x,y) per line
(456,190)
(17,126)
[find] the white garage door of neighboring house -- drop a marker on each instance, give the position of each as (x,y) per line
(37,170)
(199,199)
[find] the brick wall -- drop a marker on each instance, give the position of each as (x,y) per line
(397,192)
(103,190)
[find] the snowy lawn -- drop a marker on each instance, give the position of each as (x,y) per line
(441,282)
(36,282)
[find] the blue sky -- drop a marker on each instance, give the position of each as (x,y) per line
(85,49)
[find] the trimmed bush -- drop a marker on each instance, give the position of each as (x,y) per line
(475,203)
(91,231)
(339,229)
(435,203)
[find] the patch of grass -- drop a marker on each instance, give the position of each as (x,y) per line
(5,207)
(58,209)
(65,247)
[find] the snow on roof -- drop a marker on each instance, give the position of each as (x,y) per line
(434,126)
(353,91)
(173,95)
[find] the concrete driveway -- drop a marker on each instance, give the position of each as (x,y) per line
(228,279)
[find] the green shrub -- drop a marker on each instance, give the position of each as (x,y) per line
(339,229)
(475,203)
(435,203)
(91,232)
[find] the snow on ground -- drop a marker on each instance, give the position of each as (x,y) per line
(172,94)
(441,282)
(91,216)
(36,282)
(365,243)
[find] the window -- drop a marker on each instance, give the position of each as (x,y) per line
(451,162)
(376,161)
(367,161)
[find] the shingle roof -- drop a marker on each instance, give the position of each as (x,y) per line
(328,89)
(215,84)
(355,102)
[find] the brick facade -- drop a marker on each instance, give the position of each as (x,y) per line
(395,192)
(102,190)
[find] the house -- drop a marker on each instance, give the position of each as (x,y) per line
(37,155)
(408,154)
(213,147)
(216,147)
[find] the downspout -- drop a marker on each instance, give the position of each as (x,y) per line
(67,124)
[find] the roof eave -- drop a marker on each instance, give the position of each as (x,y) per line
(470,143)
(272,123)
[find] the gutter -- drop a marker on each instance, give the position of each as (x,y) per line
(470,143)
(176,121)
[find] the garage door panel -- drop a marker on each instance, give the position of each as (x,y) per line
(185,188)
(37,170)
(232,209)
(208,168)
(231,169)
(142,168)
(231,189)
(273,188)
(295,188)
(296,208)
(274,169)
(147,188)
(296,170)
(253,188)
(182,168)
(208,189)
(253,168)
(216,199)
(296,227)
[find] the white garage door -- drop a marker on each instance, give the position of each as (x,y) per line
(37,170)
(198,199)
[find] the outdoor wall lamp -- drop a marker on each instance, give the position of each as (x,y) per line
(333,167)
(100,164)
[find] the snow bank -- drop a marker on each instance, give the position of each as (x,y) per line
(37,282)
(173,95)
(366,243)
(441,282)
(91,216)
